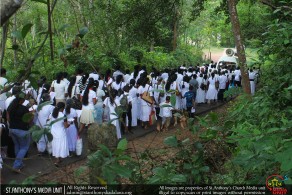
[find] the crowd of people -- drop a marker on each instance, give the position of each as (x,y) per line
(123,99)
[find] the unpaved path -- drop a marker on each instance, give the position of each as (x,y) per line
(215,54)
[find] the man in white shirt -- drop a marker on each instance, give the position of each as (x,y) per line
(237,78)
(222,85)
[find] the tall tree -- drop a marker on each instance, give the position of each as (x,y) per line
(50,29)
(239,45)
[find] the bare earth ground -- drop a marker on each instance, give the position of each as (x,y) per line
(215,55)
(152,142)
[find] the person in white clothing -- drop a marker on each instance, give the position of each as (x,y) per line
(60,88)
(94,75)
(117,72)
(118,84)
(222,85)
(71,131)
(212,91)
(133,93)
(184,87)
(60,143)
(3,84)
(42,119)
(146,107)
(165,113)
(201,93)
(127,76)
(237,78)
(88,99)
(112,102)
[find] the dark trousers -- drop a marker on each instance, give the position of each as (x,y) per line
(124,117)
(189,109)
(221,94)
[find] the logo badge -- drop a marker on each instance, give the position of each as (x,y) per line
(275,183)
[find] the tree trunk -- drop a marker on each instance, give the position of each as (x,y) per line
(239,45)
(50,30)
(3,42)
(8,8)
(175,31)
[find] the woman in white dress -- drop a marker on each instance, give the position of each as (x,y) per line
(145,106)
(60,143)
(88,99)
(184,87)
(133,94)
(212,91)
(112,102)
(42,118)
(201,94)
(71,131)
(171,89)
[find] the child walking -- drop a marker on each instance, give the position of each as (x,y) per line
(165,113)
(190,101)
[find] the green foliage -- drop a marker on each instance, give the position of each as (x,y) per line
(261,126)
(107,166)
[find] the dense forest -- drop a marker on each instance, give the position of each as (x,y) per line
(47,36)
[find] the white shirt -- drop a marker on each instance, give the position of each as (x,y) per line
(116,73)
(112,107)
(164,76)
(44,114)
(118,86)
(133,92)
(251,75)
(142,89)
(126,78)
(222,81)
(95,76)
(78,77)
(3,82)
(8,101)
(165,111)
(91,96)
(72,115)
(237,74)
(66,81)
(179,78)
(60,89)
(101,84)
